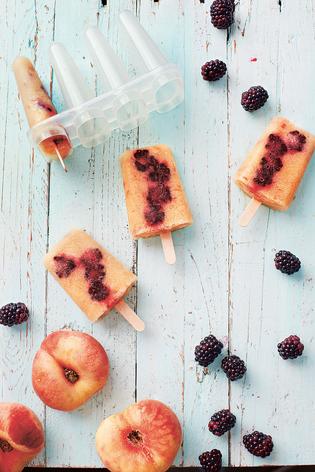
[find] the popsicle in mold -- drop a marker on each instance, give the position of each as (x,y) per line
(275,167)
(94,279)
(155,197)
(38,107)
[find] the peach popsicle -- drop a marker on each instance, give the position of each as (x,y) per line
(38,107)
(155,198)
(94,279)
(275,167)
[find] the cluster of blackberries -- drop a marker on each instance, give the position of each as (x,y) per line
(257,443)
(222,17)
(209,349)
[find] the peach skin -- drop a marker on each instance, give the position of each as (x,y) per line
(68,369)
(143,438)
(21,437)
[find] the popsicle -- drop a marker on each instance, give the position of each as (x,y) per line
(275,167)
(155,198)
(38,107)
(95,280)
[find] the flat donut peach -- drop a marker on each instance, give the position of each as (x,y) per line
(21,436)
(68,369)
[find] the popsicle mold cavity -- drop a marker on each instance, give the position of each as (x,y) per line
(124,104)
(275,167)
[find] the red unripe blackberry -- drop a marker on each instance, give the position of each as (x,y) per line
(222,13)
(221,422)
(213,70)
(258,444)
(234,367)
(287,262)
(254,98)
(211,461)
(291,348)
(208,349)
(13,314)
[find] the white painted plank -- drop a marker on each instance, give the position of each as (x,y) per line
(24,192)
(160,350)
(266,306)
(206,250)
(90,196)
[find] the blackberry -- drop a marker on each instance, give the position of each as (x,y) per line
(139,153)
(208,349)
(213,70)
(64,266)
(234,367)
(221,422)
(13,314)
(254,98)
(98,290)
(296,141)
(287,262)
(154,216)
(211,461)
(258,444)
(222,13)
(291,347)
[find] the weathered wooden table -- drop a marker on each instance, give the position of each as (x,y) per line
(224,282)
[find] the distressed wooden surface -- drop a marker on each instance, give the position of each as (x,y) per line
(224,281)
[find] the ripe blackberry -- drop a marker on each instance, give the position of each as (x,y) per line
(291,347)
(254,98)
(221,422)
(234,367)
(13,314)
(222,13)
(213,70)
(287,262)
(208,349)
(211,461)
(258,444)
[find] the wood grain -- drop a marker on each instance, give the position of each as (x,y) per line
(224,281)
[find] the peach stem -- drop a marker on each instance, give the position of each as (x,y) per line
(60,159)
(129,315)
(168,247)
(249,212)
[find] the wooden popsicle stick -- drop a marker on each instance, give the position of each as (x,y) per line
(129,315)
(249,212)
(168,247)
(60,159)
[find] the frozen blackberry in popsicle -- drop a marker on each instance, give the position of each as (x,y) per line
(274,168)
(155,197)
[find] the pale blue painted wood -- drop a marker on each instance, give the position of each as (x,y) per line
(267,306)
(24,194)
(94,201)
(224,281)
(206,255)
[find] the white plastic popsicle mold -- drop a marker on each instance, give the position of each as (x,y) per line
(90,120)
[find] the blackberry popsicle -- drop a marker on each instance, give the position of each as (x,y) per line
(155,197)
(95,280)
(275,167)
(38,107)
